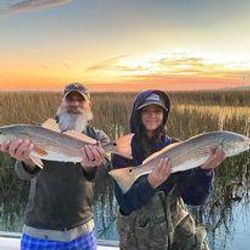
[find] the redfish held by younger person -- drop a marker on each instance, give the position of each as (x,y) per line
(184,155)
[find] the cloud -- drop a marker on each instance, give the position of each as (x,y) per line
(30,5)
(106,64)
(171,65)
(119,64)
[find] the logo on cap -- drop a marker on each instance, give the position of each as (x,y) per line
(153,98)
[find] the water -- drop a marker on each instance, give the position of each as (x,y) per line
(226,216)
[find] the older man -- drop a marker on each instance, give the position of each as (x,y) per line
(59,213)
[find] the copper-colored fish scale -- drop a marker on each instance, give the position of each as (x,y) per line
(182,153)
(57,146)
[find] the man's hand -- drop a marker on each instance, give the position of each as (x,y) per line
(216,158)
(18,149)
(160,173)
(93,155)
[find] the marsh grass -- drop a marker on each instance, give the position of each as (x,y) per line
(192,113)
(27,107)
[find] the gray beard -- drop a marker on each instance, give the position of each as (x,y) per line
(72,121)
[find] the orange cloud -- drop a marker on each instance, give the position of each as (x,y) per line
(168,66)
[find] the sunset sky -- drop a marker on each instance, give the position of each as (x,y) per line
(124,44)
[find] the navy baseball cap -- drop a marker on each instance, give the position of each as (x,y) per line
(155,99)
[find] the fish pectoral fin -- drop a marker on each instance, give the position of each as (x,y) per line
(108,156)
(37,161)
(40,151)
(51,124)
(82,137)
(123,146)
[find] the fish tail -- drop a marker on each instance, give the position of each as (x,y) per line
(123,146)
(124,178)
(120,147)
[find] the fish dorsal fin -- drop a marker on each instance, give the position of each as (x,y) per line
(79,136)
(51,124)
(160,152)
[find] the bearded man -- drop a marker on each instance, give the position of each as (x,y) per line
(59,213)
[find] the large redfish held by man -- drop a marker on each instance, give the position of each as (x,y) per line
(53,145)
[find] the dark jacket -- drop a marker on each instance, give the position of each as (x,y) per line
(194,184)
(61,195)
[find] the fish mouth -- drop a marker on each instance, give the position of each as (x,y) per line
(248,141)
(246,146)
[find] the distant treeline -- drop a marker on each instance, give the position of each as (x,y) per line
(213,97)
(225,98)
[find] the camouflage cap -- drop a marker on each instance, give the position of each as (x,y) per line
(77,87)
